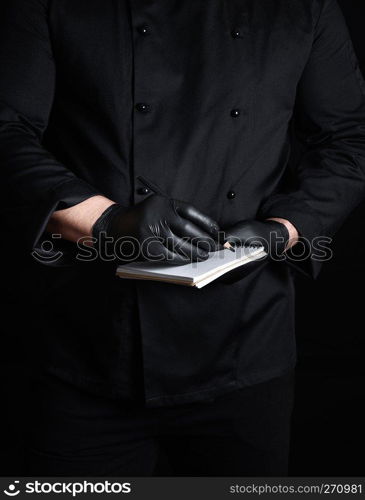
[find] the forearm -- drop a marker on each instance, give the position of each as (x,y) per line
(76,222)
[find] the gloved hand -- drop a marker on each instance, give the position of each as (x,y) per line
(159,228)
(272,235)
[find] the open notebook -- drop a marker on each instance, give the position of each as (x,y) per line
(196,274)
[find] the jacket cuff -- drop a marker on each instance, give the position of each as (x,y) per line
(64,195)
(298,212)
(306,222)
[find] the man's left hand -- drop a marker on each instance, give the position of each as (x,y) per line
(275,235)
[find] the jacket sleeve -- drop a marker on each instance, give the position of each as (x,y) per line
(329,118)
(34,182)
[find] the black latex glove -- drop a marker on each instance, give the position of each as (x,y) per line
(272,235)
(156,228)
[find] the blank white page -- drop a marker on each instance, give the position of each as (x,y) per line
(195,271)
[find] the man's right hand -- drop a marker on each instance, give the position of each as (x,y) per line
(159,228)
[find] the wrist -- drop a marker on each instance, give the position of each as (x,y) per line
(293,235)
(76,222)
(102,223)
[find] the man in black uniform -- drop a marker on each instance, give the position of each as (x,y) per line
(198,97)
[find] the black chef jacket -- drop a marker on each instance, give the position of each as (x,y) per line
(199,96)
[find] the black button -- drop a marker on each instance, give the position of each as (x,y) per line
(231,195)
(143,30)
(142,107)
(236,33)
(143,190)
(235,113)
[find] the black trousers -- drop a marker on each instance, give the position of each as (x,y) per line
(244,433)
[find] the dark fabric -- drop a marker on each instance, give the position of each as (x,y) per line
(201,102)
(245,433)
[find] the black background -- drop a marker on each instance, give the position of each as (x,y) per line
(329,419)
(328,435)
